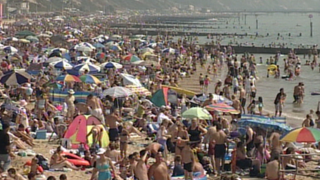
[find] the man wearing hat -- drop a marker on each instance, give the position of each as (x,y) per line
(5,150)
(70,104)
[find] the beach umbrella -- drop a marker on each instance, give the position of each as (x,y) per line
(32,38)
(24,33)
(116,36)
(98,45)
(12,39)
(61,50)
(24,41)
(82,59)
(144,55)
(140,91)
(54,85)
(39,59)
(62,64)
(108,65)
(268,125)
(44,35)
(15,77)
(221,107)
(115,48)
(112,43)
(87,66)
(10,49)
(87,45)
(169,50)
(152,45)
(87,78)
(302,135)
(72,40)
(196,112)
(117,92)
(133,59)
(145,50)
(68,78)
(83,48)
(55,59)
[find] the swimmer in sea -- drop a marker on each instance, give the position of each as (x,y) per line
(96,132)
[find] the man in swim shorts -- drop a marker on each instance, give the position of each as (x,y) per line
(112,121)
(95,105)
(220,148)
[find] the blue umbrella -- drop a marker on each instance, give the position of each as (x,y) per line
(98,45)
(267,125)
(87,66)
(16,77)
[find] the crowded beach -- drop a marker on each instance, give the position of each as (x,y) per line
(80,100)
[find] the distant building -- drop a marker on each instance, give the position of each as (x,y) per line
(18,6)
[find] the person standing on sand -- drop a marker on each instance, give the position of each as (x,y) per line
(95,106)
(243,100)
(159,170)
(220,138)
(112,124)
(141,170)
(237,106)
(279,102)
(188,161)
(70,104)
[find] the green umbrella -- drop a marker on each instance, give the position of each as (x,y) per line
(32,38)
(24,34)
(196,112)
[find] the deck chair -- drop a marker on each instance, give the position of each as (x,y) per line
(59,131)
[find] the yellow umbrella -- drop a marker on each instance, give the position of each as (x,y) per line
(180,90)
(24,41)
(146,54)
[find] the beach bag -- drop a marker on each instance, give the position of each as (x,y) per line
(43,162)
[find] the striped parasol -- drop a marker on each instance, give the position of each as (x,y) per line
(87,78)
(221,107)
(87,66)
(61,65)
(68,78)
(15,77)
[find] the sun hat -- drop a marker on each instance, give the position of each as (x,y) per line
(23,102)
(71,91)
(101,151)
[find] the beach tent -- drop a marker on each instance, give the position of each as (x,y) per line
(80,127)
(163,96)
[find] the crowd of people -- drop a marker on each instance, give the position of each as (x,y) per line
(181,147)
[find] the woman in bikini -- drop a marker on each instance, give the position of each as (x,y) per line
(180,139)
(103,167)
(124,139)
(57,161)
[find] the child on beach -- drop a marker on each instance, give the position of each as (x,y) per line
(206,83)
(177,170)
(215,70)
(15,175)
(188,161)
(260,105)
(124,138)
(201,80)
(251,107)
